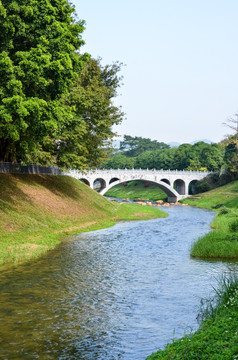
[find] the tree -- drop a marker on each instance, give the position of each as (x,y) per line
(38,63)
(232,123)
(88,131)
(212,157)
(181,158)
(119,161)
(230,144)
(133,146)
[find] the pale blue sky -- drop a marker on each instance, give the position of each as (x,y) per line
(181,57)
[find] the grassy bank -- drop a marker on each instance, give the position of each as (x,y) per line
(37,211)
(137,189)
(217,337)
(222,242)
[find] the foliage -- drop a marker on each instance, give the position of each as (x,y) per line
(231,157)
(233,226)
(133,146)
(55,104)
(212,181)
(119,161)
(147,155)
(38,63)
(230,144)
(87,134)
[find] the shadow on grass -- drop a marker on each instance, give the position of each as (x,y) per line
(57,184)
(10,188)
(9,191)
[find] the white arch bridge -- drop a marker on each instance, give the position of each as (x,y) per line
(176,184)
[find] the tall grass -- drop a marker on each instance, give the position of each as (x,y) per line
(225,296)
(222,242)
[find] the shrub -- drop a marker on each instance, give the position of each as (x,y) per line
(211,181)
(233,227)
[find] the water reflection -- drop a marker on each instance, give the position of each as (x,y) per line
(117,293)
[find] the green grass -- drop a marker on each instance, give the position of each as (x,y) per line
(37,212)
(223,196)
(217,337)
(137,189)
(129,211)
(222,242)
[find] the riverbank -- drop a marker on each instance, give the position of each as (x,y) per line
(137,189)
(38,211)
(222,241)
(217,336)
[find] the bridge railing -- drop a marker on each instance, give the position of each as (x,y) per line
(11,168)
(141,171)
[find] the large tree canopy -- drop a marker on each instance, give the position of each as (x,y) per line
(38,63)
(55,104)
(88,132)
(133,146)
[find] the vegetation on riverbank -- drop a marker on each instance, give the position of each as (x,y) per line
(217,337)
(137,189)
(222,241)
(37,211)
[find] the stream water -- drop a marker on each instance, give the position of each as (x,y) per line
(118,293)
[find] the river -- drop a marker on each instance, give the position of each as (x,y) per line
(118,293)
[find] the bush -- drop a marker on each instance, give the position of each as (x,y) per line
(224,211)
(211,181)
(233,227)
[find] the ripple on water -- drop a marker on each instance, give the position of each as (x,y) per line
(118,293)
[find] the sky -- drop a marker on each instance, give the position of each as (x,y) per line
(180,64)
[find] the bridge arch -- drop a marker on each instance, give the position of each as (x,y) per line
(85,181)
(113,180)
(166,181)
(191,187)
(99,184)
(169,191)
(179,186)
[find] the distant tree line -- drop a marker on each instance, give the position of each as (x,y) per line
(138,152)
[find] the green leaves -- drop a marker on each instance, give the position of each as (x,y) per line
(38,64)
(153,154)
(55,105)
(89,130)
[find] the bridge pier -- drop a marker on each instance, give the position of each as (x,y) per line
(172,199)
